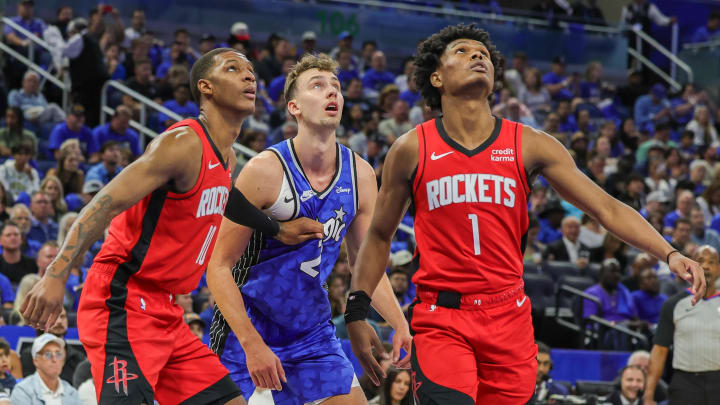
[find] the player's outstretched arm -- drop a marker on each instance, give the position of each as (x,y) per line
(172,156)
(544,153)
(392,201)
(384,300)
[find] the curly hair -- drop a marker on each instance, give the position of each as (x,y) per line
(429,52)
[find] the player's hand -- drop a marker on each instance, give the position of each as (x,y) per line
(690,271)
(402,340)
(299,230)
(363,338)
(264,366)
(43,304)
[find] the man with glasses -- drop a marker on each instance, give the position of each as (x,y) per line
(44,227)
(45,385)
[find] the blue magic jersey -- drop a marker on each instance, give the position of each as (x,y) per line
(282,285)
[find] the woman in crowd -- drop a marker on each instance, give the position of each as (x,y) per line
(395,389)
(68,167)
(52,186)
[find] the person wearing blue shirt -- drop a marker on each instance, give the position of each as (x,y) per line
(556,81)
(277,85)
(73,128)
(648,300)
(709,31)
(550,219)
(346,70)
(7,294)
(26,19)
(181,105)
(377,76)
(700,234)
(44,227)
(109,166)
(410,96)
(652,108)
(118,130)
(683,205)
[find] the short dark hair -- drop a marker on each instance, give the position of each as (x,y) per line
(107,145)
(202,67)
(22,148)
(4,347)
(181,31)
(7,224)
(430,51)
(369,42)
(542,347)
(682,221)
(143,61)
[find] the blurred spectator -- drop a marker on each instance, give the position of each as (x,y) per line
(208,42)
(119,131)
(681,235)
(360,140)
(395,390)
(337,290)
(346,70)
(591,89)
(142,80)
(556,81)
(196,324)
(108,168)
(7,381)
(5,203)
(579,149)
(588,12)
(66,221)
(136,28)
(709,201)
(702,128)
(72,357)
(392,128)
(309,41)
(386,100)
(533,248)
(354,95)
(514,111)
(641,14)
(239,39)
(115,69)
(344,43)
(87,69)
(406,77)
(659,141)
(26,19)
(615,299)
(634,193)
(411,95)
(16,174)
(33,103)
(369,388)
(592,234)
(185,302)
(271,67)
(545,387)
(14,132)
(552,9)
(691,330)
(709,31)
(400,282)
(177,75)
(648,298)
(684,105)
(46,255)
(569,248)
(180,105)
(700,234)
(377,77)
(73,128)
(368,49)
(612,248)
(68,167)
(26,284)
(20,216)
(44,227)
(533,94)
(182,45)
(45,385)
(56,34)
(139,50)
(641,358)
(642,262)
(653,108)
(515,75)
(551,217)
(683,205)
(655,203)
(177,57)
(13,263)
(632,383)
(277,85)
(7,297)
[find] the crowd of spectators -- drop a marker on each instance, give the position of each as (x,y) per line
(653,148)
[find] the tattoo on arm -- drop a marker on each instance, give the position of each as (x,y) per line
(88,228)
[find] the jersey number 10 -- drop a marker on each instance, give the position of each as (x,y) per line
(476,233)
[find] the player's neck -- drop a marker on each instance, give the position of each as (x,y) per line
(316,149)
(467,121)
(222,126)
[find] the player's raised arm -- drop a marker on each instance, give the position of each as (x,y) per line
(543,152)
(155,168)
(392,201)
(384,300)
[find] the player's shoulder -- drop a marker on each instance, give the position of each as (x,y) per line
(179,142)
(265,166)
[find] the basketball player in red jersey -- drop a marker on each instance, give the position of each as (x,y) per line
(170,203)
(467,176)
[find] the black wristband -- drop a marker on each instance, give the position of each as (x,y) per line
(667,258)
(241,211)
(358,306)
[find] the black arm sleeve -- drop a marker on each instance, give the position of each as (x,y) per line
(242,212)
(666,323)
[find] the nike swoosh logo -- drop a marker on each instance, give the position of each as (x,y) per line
(287,200)
(212,166)
(520,303)
(433,156)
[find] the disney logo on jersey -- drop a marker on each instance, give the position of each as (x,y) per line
(334,226)
(212,201)
(340,190)
(502,155)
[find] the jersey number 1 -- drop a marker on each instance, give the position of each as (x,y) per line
(476,233)
(206,245)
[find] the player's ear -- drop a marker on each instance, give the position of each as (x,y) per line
(205,87)
(293,107)
(435,79)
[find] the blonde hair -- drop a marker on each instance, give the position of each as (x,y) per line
(321,62)
(26,284)
(59,202)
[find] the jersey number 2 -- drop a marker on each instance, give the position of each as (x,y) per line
(206,245)
(476,233)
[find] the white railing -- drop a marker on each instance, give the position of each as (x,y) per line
(675,61)
(145,103)
(475,14)
(699,46)
(32,37)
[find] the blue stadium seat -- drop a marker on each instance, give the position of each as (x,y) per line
(559,269)
(540,288)
(530,268)
(594,387)
(579,282)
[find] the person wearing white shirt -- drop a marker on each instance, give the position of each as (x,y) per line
(45,385)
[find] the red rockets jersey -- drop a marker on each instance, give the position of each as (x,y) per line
(166,238)
(471,210)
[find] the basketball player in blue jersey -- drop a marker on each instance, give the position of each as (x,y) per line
(283,349)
